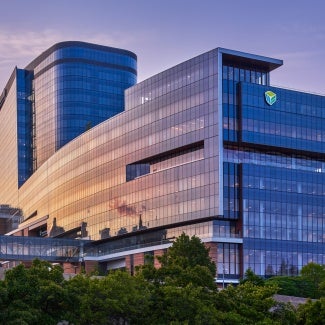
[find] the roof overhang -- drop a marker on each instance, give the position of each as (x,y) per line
(249,60)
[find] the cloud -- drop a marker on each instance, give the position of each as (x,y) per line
(20,47)
(297,55)
(24,45)
(297,64)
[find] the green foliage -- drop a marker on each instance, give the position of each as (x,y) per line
(250,276)
(321,289)
(188,252)
(32,295)
(310,283)
(311,313)
(77,287)
(184,305)
(181,291)
(252,304)
(284,313)
(246,304)
(187,262)
(183,286)
(115,298)
(313,271)
(315,274)
(292,286)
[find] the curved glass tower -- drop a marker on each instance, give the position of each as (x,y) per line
(75,86)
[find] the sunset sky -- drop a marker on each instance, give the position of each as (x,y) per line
(166,32)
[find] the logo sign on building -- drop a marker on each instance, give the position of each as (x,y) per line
(270,97)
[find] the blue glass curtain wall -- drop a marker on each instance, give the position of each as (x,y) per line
(295,121)
(24,125)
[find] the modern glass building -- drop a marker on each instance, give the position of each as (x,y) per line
(207,147)
(67,90)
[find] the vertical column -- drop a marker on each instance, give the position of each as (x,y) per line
(245,218)
(91,266)
(299,261)
(262,220)
(129,263)
(158,252)
(213,251)
(70,268)
(299,223)
(262,259)
(138,259)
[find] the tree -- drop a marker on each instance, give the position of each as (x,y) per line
(314,273)
(117,298)
(250,276)
(321,288)
(311,313)
(183,305)
(252,304)
(284,313)
(181,291)
(33,295)
(182,288)
(187,261)
(292,286)
(309,284)
(126,298)
(77,287)
(189,252)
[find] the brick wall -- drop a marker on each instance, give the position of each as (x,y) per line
(69,268)
(138,259)
(158,252)
(91,266)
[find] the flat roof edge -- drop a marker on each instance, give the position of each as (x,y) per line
(65,44)
(267,62)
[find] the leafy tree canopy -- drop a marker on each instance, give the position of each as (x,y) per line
(188,252)
(33,295)
(314,273)
(181,291)
(252,304)
(311,313)
(292,286)
(187,261)
(250,276)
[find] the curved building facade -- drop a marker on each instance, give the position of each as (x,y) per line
(67,90)
(141,169)
(77,85)
(207,147)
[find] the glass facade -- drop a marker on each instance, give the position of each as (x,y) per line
(294,122)
(67,90)
(274,174)
(24,125)
(147,167)
(51,249)
(196,149)
(77,86)
(9,144)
